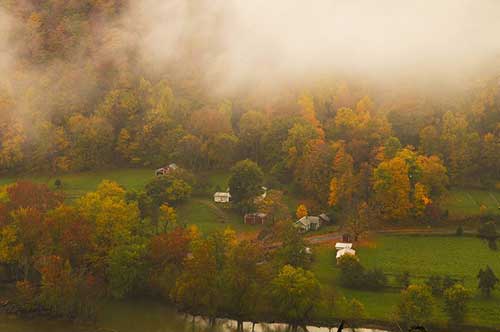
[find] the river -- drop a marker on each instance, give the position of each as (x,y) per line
(137,316)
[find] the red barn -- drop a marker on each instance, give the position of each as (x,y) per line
(255,218)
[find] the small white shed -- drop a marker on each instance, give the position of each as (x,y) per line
(220,197)
(343,245)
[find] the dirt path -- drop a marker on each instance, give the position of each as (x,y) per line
(221,215)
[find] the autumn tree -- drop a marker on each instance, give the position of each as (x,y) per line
(301,211)
(197,289)
(253,125)
(392,189)
(274,206)
(167,253)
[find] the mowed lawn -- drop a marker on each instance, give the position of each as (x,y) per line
(466,202)
(422,256)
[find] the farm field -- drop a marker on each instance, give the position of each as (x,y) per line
(200,211)
(77,184)
(461,202)
(422,256)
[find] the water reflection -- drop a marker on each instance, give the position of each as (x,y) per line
(141,316)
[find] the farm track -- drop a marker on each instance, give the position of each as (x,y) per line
(221,215)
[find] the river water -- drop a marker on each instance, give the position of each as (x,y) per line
(137,316)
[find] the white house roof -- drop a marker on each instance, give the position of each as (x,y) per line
(346,251)
(342,245)
(221,194)
(307,220)
(324,217)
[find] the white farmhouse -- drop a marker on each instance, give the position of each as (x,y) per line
(220,197)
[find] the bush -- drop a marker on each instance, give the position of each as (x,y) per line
(460,231)
(416,306)
(375,279)
(435,284)
(455,300)
(488,232)
(351,272)
(26,295)
(354,275)
(404,279)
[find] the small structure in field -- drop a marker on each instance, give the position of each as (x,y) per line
(308,223)
(262,196)
(346,238)
(166,170)
(222,197)
(255,218)
(343,245)
(324,218)
(345,251)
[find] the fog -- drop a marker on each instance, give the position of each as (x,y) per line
(237,41)
(6,52)
(233,44)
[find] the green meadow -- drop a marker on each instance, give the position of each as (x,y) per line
(421,256)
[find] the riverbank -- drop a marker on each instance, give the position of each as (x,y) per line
(147,315)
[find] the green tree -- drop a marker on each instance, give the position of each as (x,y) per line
(416,306)
(352,273)
(293,249)
(241,281)
(127,269)
(487,281)
(245,182)
(296,293)
(197,290)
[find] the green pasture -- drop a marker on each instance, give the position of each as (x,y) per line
(421,256)
(462,202)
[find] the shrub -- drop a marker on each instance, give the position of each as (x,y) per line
(354,275)
(351,272)
(435,284)
(455,300)
(404,279)
(487,281)
(26,295)
(375,279)
(448,282)
(488,232)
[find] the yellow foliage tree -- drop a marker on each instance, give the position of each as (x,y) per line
(301,211)
(421,199)
(168,218)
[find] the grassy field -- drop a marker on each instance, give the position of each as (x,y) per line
(422,256)
(198,210)
(462,202)
(77,184)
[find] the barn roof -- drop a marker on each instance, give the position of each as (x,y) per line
(221,194)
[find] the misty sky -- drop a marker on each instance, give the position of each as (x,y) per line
(289,38)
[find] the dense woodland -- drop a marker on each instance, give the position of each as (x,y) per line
(78,99)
